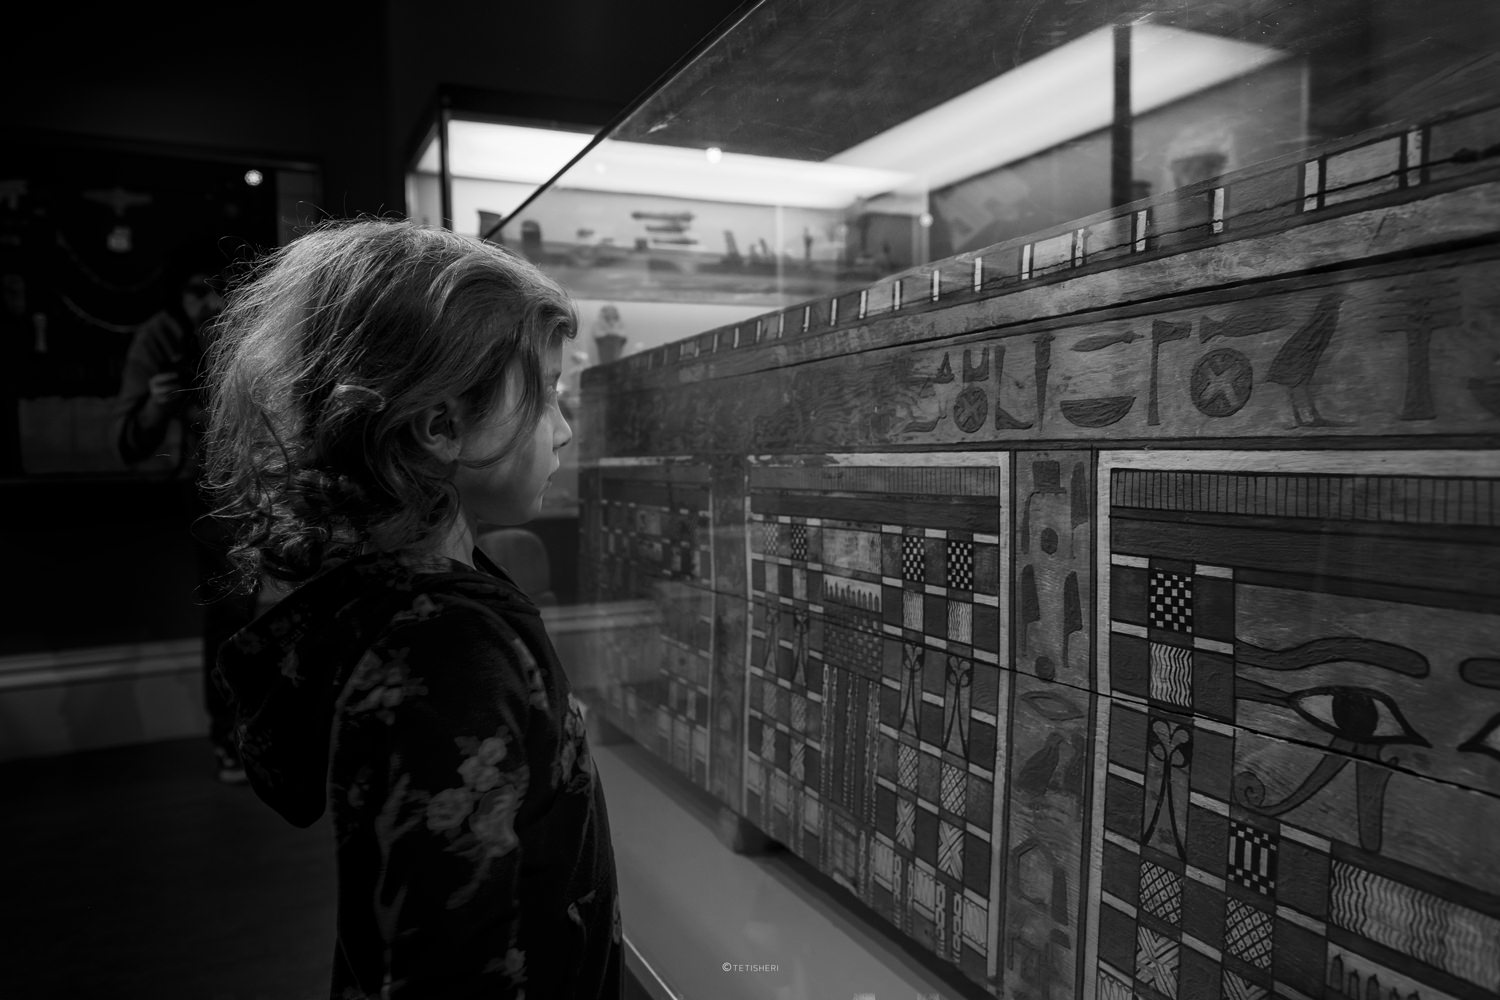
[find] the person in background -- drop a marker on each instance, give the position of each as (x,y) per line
(159,416)
(378,391)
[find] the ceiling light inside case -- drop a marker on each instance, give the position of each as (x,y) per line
(1063,95)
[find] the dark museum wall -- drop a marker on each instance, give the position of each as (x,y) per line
(306,83)
(309,82)
(292,81)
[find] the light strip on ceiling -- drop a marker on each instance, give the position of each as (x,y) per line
(494,152)
(517,154)
(1062,95)
(672,171)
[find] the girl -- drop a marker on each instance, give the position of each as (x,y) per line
(379,391)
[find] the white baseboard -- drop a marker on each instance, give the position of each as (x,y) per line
(63,701)
(72,666)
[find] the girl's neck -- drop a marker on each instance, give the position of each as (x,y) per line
(458,543)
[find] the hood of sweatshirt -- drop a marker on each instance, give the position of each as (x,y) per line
(283,673)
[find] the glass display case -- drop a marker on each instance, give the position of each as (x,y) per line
(1050,484)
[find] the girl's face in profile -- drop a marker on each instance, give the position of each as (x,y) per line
(511,491)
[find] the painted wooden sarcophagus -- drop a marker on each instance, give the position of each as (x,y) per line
(1112,610)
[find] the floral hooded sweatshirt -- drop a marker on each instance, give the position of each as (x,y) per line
(422,703)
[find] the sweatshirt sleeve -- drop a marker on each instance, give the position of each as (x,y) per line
(429,771)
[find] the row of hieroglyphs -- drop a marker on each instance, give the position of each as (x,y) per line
(1399,354)
(1357,358)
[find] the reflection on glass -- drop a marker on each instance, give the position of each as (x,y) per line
(811,152)
(1199,106)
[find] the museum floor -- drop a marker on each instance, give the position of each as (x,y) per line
(132,873)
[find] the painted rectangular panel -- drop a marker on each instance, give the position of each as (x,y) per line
(1047,861)
(1283,731)
(877,691)
(1054,565)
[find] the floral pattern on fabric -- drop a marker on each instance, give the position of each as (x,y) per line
(486,802)
(386,682)
(472,840)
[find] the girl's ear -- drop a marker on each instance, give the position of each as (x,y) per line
(437,432)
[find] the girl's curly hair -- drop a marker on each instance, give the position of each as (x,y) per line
(328,351)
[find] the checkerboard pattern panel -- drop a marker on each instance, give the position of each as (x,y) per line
(961,564)
(910,613)
(913,559)
(798,540)
(1172,601)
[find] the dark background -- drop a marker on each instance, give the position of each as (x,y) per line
(343,86)
(178,102)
